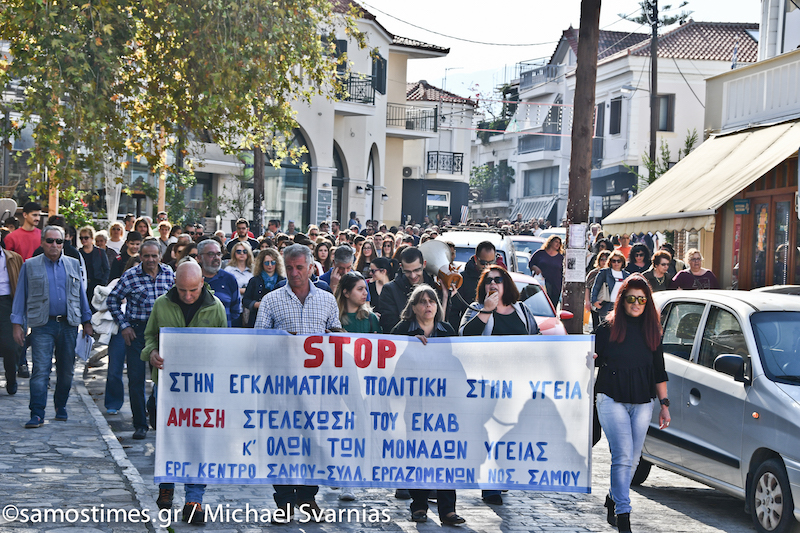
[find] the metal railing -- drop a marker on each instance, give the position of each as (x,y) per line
(496,192)
(529,78)
(412,118)
(446,162)
(357,88)
(538,143)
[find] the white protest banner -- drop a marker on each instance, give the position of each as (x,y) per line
(345,410)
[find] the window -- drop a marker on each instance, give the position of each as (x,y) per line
(722,334)
(791,26)
(666,112)
(541,181)
(680,328)
(615,122)
(341,49)
(379,73)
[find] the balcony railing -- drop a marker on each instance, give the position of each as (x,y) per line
(537,143)
(535,76)
(412,118)
(445,162)
(357,88)
(494,193)
(597,152)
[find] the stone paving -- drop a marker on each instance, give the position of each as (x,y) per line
(92,461)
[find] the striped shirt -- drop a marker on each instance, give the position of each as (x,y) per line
(141,292)
(282,309)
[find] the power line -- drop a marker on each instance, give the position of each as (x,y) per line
(453,37)
(687,82)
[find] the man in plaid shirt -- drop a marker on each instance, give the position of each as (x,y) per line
(298,307)
(140,285)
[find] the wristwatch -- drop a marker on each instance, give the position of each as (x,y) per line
(664,402)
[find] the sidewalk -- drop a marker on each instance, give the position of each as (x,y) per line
(91,460)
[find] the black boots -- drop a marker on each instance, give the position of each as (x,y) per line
(611,516)
(624,523)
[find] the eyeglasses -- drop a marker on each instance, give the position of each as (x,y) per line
(270,263)
(638,254)
(190,233)
(387,244)
(193,256)
(616,260)
(632,299)
(51,240)
(241,251)
(484,263)
(411,272)
(115,229)
(85,238)
(313,235)
(373,270)
(664,264)
(696,259)
(497,280)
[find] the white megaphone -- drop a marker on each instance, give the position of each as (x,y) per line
(438,264)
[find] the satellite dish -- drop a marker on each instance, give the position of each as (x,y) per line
(8,208)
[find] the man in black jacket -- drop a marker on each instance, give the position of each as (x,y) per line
(395,294)
(485,255)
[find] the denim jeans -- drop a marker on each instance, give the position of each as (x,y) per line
(193,491)
(445,500)
(625,425)
(115,389)
(294,494)
(44,339)
(137,371)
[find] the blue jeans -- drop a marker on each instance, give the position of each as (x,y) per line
(625,425)
(115,389)
(193,491)
(44,339)
(137,370)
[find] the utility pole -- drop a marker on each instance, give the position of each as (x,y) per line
(258,191)
(580,170)
(653,15)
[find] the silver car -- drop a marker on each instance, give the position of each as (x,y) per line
(733,359)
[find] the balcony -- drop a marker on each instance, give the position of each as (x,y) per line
(752,95)
(410,122)
(445,163)
(538,143)
(356,96)
(494,194)
(535,76)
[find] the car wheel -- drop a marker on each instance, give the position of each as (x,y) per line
(770,498)
(642,471)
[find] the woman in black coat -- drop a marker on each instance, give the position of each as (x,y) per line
(96,260)
(268,271)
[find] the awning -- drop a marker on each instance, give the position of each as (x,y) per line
(687,196)
(538,207)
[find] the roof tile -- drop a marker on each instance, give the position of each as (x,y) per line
(422,91)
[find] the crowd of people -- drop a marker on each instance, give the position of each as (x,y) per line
(122,284)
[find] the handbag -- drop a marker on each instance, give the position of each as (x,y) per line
(604,295)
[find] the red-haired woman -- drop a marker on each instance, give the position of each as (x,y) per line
(631,361)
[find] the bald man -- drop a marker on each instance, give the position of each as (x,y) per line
(188,304)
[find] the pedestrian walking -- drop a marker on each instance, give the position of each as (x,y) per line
(607,284)
(140,287)
(10,265)
(548,262)
(631,374)
(695,277)
(189,303)
(657,275)
(224,284)
(51,299)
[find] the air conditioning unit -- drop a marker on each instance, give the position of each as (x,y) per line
(413,173)
(407,172)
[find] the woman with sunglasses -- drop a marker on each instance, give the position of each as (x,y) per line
(115,241)
(95,259)
(657,275)
(267,273)
(631,374)
(423,318)
(608,281)
(241,264)
(600,263)
(380,271)
(638,259)
(497,311)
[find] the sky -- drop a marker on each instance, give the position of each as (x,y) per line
(472,68)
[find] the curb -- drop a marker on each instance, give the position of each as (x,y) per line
(141,490)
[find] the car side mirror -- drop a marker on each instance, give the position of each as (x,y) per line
(731,364)
(566,315)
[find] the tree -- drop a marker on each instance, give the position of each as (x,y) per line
(643,15)
(135,76)
(491,182)
(656,168)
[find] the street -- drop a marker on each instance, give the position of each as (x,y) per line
(91,461)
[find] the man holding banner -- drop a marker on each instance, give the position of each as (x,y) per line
(298,307)
(189,303)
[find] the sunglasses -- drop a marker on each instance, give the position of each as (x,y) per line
(193,256)
(632,299)
(497,280)
(241,251)
(270,263)
(484,263)
(639,254)
(616,260)
(373,270)
(51,240)
(85,238)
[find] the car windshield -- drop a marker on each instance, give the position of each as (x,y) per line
(522,265)
(526,246)
(463,254)
(777,335)
(535,299)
